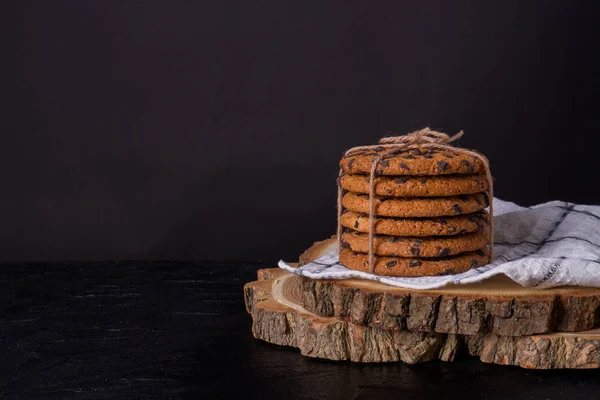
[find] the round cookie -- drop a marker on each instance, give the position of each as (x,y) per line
(416,206)
(400,266)
(440,226)
(416,186)
(423,161)
(397,246)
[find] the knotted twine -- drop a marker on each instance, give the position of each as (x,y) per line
(424,138)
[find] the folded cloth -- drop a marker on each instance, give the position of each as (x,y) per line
(547,245)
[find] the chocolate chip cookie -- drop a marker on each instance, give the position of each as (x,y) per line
(421,161)
(416,206)
(416,186)
(398,246)
(405,266)
(440,226)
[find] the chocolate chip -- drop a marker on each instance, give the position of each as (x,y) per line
(397,239)
(448,155)
(474,263)
(473,219)
(356,225)
(391,264)
(442,165)
(444,252)
(452,229)
(414,251)
(350,163)
(378,172)
(478,181)
(417,242)
(423,180)
(408,157)
(414,263)
(457,209)
(345,245)
(417,152)
(384,163)
(388,191)
(427,155)
(470,167)
(401,180)
(448,271)
(478,199)
(379,148)
(443,222)
(404,166)
(480,253)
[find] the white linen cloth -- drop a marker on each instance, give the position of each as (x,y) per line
(547,245)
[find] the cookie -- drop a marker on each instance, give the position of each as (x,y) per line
(398,246)
(421,161)
(416,186)
(403,266)
(440,226)
(416,206)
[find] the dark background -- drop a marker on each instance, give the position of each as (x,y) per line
(212,130)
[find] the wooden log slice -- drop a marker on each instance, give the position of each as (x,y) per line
(497,305)
(278,318)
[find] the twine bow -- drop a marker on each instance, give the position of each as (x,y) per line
(421,137)
(424,138)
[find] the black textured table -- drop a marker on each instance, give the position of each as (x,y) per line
(180,330)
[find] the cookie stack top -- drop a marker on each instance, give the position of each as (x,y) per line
(417,161)
(414,206)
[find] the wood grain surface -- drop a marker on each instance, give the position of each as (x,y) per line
(274,301)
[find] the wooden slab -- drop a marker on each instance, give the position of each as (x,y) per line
(277,317)
(497,305)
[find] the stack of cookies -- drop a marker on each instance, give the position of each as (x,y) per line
(429,212)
